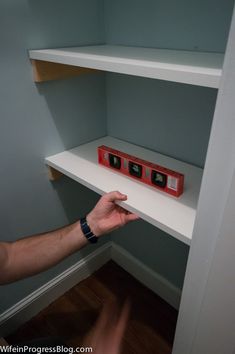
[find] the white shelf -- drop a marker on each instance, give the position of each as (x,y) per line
(174,215)
(196,68)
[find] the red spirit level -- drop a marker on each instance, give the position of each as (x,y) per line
(152,174)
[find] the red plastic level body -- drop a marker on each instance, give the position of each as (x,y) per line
(157,176)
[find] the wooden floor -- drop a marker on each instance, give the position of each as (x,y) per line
(150,328)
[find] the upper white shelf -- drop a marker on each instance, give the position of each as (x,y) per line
(196,68)
(174,215)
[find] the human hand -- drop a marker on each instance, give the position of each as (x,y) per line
(106,336)
(107,215)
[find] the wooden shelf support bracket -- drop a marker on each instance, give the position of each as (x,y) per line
(54,174)
(47,71)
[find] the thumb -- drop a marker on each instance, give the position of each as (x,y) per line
(115,196)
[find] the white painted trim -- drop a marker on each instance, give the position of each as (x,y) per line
(206,317)
(28,307)
(146,275)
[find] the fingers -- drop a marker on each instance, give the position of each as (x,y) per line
(109,329)
(121,324)
(107,334)
(128,216)
(131,217)
(115,196)
(103,323)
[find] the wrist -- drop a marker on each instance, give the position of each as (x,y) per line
(87,232)
(93,225)
(79,233)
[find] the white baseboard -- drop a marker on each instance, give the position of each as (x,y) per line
(146,275)
(28,307)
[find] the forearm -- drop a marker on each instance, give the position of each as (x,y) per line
(34,254)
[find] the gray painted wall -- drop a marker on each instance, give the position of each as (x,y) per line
(175,120)
(40,120)
(183,24)
(171,118)
(156,249)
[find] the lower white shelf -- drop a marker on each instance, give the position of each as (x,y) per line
(175,216)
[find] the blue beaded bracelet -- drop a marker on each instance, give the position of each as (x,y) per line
(87,231)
